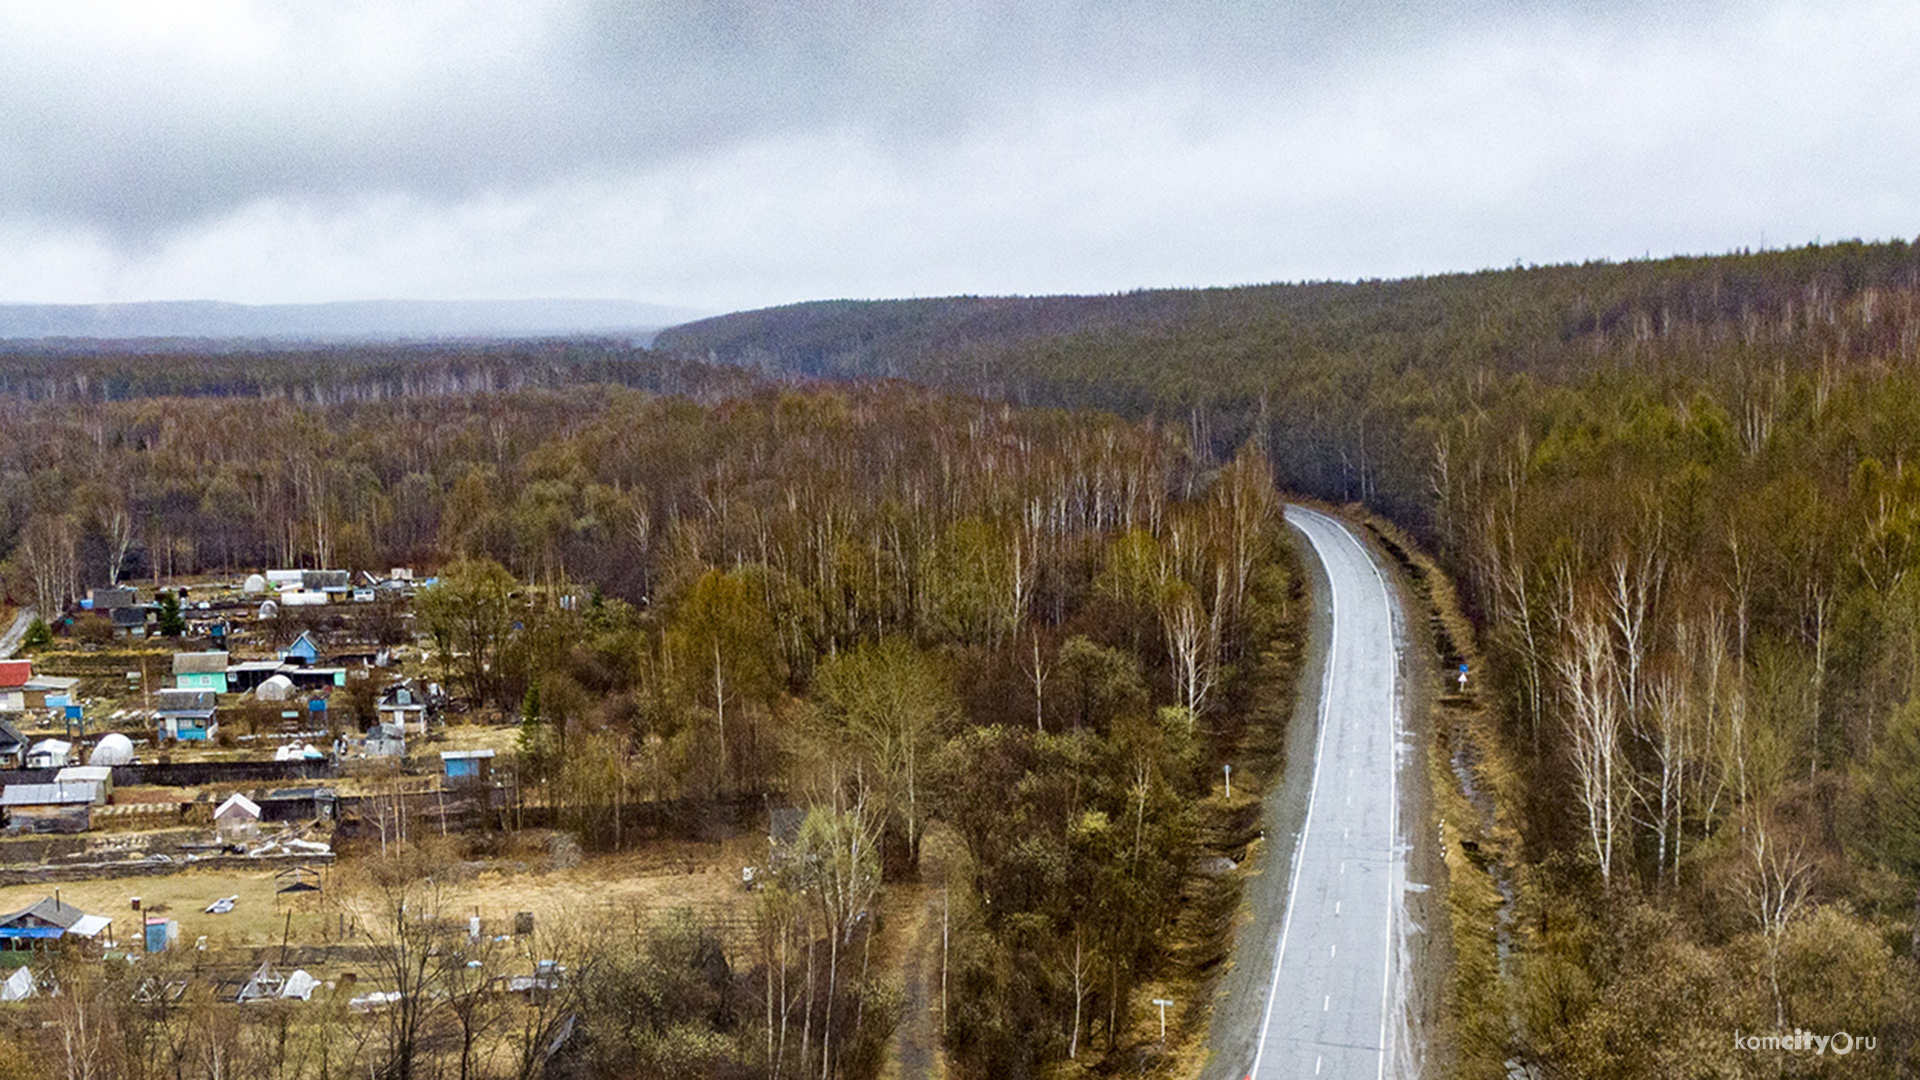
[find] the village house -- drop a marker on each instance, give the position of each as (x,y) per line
(42,691)
(404,707)
(249,674)
(315,678)
(105,600)
(200,671)
(48,921)
(304,650)
(129,622)
(13,745)
(49,754)
(14,677)
(185,715)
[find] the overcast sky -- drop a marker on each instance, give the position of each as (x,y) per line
(719,156)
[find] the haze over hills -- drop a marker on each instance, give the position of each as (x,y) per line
(348,320)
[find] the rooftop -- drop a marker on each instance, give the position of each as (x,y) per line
(55,794)
(200,663)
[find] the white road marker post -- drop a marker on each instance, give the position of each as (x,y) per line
(1229,769)
(1163,1003)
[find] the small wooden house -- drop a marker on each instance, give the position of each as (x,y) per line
(99,777)
(186,715)
(404,707)
(14,677)
(13,745)
(200,671)
(465,767)
(49,920)
(49,754)
(48,808)
(304,650)
(386,740)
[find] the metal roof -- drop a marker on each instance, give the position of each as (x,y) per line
(47,910)
(200,663)
(55,794)
(174,699)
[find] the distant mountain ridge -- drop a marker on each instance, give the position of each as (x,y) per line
(346,320)
(1158,349)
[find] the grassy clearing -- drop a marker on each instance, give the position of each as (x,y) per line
(701,877)
(704,878)
(258,918)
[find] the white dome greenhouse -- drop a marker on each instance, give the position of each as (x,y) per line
(113,749)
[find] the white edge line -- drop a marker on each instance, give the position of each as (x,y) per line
(1313,794)
(1394,866)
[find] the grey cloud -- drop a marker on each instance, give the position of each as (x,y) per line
(137,143)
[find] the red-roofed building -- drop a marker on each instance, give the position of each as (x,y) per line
(14,676)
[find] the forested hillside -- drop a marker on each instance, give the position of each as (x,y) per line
(1032,635)
(1683,499)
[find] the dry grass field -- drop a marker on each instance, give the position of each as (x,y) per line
(258,917)
(702,877)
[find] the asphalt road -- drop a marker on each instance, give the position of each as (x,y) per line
(1335,1002)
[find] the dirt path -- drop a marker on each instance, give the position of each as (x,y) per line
(913,917)
(10,641)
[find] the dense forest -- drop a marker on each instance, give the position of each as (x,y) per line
(1027,637)
(1682,498)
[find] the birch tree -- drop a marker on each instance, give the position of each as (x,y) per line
(1590,692)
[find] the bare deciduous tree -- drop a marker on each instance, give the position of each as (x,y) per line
(1589,686)
(1775,886)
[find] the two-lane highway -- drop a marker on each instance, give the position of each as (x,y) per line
(1333,1006)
